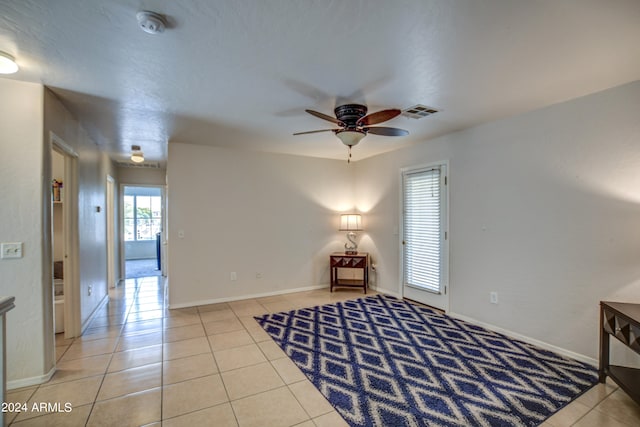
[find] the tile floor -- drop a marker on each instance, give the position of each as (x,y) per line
(142,364)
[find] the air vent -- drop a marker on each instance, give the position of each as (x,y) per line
(418,111)
(145,165)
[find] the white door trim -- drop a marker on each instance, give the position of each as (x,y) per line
(72,326)
(111,280)
(163,235)
(444,301)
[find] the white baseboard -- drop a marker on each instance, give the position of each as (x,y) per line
(537,343)
(387,292)
(87,322)
(26,382)
(243,297)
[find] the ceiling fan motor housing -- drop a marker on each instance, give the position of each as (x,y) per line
(349,114)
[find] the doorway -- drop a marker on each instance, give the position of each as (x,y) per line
(64,241)
(142,218)
(111,237)
(424,235)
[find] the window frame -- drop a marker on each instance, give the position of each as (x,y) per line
(135,218)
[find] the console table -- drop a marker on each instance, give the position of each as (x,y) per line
(622,320)
(359,260)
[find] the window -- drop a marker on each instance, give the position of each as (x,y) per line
(423,229)
(142,217)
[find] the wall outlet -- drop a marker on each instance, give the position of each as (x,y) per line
(258,275)
(90,289)
(234,276)
(493,297)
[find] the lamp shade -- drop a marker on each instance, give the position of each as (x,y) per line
(351,222)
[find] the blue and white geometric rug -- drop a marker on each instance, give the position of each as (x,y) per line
(382,361)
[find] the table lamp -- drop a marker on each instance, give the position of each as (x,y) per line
(351,223)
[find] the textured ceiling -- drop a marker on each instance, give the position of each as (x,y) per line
(239,73)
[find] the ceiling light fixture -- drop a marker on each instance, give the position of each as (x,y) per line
(7,64)
(137,156)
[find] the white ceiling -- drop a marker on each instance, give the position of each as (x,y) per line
(240,73)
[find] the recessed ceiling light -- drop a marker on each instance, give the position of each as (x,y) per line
(7,64)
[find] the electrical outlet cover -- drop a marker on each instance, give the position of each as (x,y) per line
(493,297)
(11,250)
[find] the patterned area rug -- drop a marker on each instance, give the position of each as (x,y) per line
(382,361)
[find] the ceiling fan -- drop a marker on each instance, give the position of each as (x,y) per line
(354,123)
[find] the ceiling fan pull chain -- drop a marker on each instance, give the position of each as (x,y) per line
(349,159)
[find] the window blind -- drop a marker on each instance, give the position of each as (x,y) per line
(422,229)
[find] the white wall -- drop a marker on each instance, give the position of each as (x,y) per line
(142,176)
(544,210)
(251,213)
(29,331)
(27,115)
(145,249)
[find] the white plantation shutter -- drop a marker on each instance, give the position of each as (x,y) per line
(422,229)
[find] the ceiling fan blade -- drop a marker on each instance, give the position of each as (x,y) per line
(325,117)
(315,131)
(378,117)
(385,131)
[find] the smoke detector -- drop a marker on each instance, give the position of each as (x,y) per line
(151,22)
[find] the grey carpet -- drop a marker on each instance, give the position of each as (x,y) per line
(141,268)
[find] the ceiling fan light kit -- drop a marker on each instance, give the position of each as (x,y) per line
(350,137)
(354,124)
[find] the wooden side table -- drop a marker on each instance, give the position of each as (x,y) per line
(359,260)
(621,320)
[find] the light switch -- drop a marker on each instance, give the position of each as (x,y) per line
(11,250)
